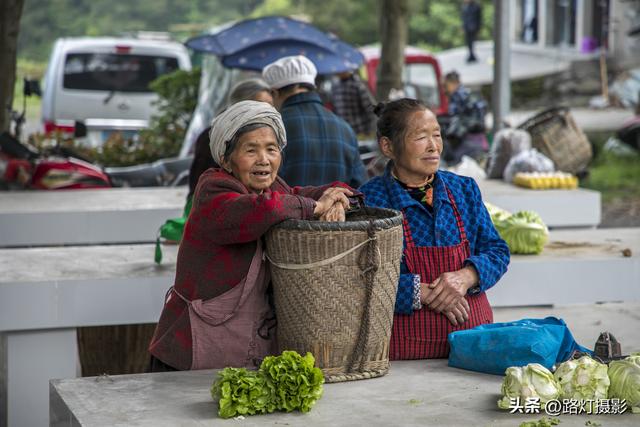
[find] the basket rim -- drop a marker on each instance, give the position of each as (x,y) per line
(387,218)
(543,116)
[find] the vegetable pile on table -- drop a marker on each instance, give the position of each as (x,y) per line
(524,231)
(584,379)
(286,383)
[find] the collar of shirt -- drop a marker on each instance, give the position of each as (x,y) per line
(400,198)
(301,98)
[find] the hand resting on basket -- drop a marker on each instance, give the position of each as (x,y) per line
(332,204)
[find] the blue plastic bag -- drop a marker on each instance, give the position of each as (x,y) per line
(494,347)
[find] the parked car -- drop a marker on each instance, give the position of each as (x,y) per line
(422,76)
(104,83)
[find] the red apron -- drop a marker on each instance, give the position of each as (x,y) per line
(423,334)
(232,329)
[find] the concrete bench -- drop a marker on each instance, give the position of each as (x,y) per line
(133,215)
(79,217)
(557,208)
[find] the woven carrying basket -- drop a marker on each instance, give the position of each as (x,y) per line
(555,134)
(335,289)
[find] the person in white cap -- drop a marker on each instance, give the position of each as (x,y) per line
(322,147)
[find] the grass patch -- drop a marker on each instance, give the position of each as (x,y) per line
(614,176)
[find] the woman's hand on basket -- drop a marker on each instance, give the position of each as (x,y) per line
(336,213)
(330,197)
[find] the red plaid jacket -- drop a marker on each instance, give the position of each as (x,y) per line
(218,243)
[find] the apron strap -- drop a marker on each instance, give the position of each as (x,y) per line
(463,233)
(407,231)
(247,283)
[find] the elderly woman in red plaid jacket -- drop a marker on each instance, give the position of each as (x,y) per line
(218,313)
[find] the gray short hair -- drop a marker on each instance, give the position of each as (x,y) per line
(247,90)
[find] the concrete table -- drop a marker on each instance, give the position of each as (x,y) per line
(557,208)
(78,217)
(413,393)
(576,266)
(46,293)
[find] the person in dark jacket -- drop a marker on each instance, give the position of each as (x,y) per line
(471,22)
(322,147)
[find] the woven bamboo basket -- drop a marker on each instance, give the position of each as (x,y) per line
(335,288)
(114,350)
(555,134)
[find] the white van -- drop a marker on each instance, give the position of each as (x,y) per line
(104,83)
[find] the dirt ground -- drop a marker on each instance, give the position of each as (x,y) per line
(621,212)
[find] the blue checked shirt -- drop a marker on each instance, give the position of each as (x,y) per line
(489,253)
(321,147)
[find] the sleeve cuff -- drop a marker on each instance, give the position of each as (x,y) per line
(416,293)
(307,205)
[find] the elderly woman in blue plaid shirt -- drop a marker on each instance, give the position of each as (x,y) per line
(452,252)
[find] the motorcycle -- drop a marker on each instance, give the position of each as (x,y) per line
(57,167)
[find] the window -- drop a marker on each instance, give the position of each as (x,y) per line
(111,72)
(421,83)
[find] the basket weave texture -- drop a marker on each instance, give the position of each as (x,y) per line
(555,134)
(335,288)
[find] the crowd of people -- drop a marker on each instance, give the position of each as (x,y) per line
(276,152)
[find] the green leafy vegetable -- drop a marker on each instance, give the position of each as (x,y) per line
(542,422)
(533,380)
(625,381)
(496,213)
(524,232)
(298,382)
(583,379)
(243,392)
(286,382)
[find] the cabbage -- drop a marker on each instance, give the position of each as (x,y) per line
(524,232)
(496,213)
(582,379)
(625,381)
(533,380)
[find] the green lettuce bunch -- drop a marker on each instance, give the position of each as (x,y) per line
(533,380)
(524,231)
(297,381)
(286,382)
(243,392)
(583,379)
(625,381)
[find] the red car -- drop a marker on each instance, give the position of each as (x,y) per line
(422,76)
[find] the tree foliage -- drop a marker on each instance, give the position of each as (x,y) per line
(433,23)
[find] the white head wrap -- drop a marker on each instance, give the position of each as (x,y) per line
(226,125)
(290,70)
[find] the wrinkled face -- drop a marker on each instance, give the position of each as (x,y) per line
(256,159)
(264,96)
(420,157)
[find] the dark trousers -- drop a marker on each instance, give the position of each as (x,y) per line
(469,38)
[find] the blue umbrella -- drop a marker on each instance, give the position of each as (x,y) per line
(254,43)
